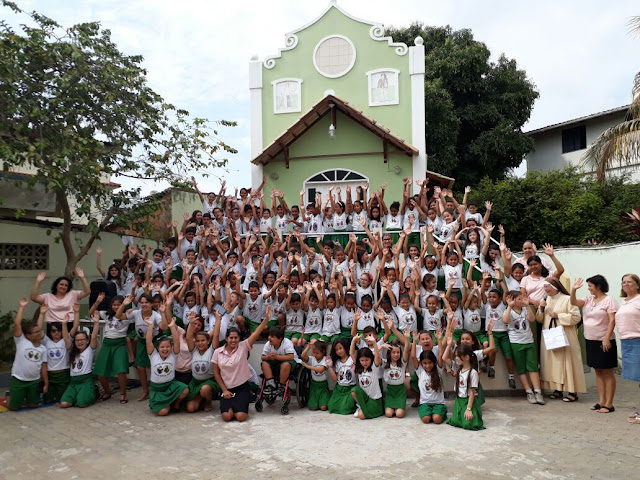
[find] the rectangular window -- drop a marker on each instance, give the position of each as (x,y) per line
(312,197)
(574,139)
(20,256)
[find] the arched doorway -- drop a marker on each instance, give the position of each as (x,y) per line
(339,177)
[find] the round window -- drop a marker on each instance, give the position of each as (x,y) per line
(334,56)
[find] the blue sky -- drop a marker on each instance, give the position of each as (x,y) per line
(579,53)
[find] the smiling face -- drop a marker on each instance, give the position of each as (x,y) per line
(427,365)
(550,290)
(396,353)
(465,339)
(56,333)
(164,348)
(232,340)
(528,250)
(425,340)
(630,286)
(535,267)
(81,341)
(63,287)
(202,342)
(145,305)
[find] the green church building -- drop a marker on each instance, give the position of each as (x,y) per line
(340,104)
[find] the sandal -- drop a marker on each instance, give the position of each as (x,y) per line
(145,396)
(570,397)
(105,396)
(597,406)
(605,409)
(556,394)
(635,419)
(123,398)
(634,415)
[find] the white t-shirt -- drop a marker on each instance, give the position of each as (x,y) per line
(428,394)
(394,223)
(162,371)
(57,354)
(83,363)
(295,320)
(340,222)
(458,317)
(114,328)
(286,348)
(331,325)
(453,272)
(282,224)
(475,216)
(367,319)
(141,326)
(186,310)
(394,374)
(415,214)
(28,359)
(519,327)
(356,218)
(313,323)
(496,314)
(346,317)
(345,373)
(432,321)
(467,379)
(407,319)
(201,364)
(318,377)
(253,309)
(472,320)
(446,230)
(368,381)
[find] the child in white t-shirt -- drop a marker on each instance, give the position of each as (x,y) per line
(319,393)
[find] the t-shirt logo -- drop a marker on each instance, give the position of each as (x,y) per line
(394,373)
(77,364)
(163,369)
(200,367)
(365,381)
(346,374)
(33,355)
(55,353)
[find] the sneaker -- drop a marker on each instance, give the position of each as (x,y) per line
(539,398)
(280,391)
(492,372)
(355,414)
(531,398)
(269,389)
(512,383)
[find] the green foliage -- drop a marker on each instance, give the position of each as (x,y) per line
(560,207)
(475,109)
(76,111)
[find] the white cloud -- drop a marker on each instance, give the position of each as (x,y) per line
(196,52)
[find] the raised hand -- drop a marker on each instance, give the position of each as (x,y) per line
(79,272)
(548,249)
(41,276)
(577,284)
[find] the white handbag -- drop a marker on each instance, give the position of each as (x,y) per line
(555,336)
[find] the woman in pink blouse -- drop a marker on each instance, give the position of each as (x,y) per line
(61,300)
(598,315)
(628,323)
(532,285)
(231,371)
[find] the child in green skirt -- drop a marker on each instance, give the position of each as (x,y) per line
(164,389)
(319,392)
(394,372)
(466,409)
(429,373)
(367,393)
(202,387)
(81,390)
(341,370)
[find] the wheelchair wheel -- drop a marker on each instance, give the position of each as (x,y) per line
(284,410)
(303,385)
(259,406)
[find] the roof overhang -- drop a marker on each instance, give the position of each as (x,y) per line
(315,114)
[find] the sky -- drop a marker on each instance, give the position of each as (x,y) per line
(579,54)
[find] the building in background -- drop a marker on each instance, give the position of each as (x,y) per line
(563,144)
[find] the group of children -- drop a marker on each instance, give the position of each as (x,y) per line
(433,293)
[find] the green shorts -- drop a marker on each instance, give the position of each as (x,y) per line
(23,393)
(525,357)
(431,409)
(311,336)
(457,334)
(275,366)
(502,342)
(289,334)
(345,332)
(482,337)
(413,382)
(330,338)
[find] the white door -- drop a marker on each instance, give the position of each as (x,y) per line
(322,181)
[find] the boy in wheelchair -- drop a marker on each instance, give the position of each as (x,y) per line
(278,358)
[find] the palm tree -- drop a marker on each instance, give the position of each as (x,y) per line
(620,144)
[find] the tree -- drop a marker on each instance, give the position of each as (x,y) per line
(620,144)
(76,110)
(562,207)
(475,109)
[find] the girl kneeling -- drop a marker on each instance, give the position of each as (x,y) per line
(367,393)
(341,370)
(432,406)
(466,409)
(394,373)
(164,390)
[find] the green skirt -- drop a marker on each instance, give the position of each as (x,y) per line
(81,391)
(113,358)
(142,357)
(58,383)
(370,408)
(196,385)
(396,397)
(319,394)
(414,382)
(457,417)
(161,395)
(341,401)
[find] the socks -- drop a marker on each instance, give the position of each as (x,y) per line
(511,376)
(271,382)
(529,391)
(537,390)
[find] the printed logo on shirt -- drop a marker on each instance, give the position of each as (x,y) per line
(55,353)
(163,369)
(33,355)
(200,367)
(77,364)
(345,374)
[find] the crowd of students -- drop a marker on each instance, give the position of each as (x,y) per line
(386,298)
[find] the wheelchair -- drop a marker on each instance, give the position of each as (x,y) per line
(298,384)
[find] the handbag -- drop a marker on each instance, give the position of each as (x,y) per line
(555,336)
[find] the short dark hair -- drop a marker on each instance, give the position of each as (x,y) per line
(600,282)
(54,287)
(277,332)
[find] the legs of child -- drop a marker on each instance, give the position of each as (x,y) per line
(142,373)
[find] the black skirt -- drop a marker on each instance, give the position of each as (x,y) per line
(598,358)
(184,377)
(239,402)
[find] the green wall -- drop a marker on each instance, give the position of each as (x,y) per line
(352,87)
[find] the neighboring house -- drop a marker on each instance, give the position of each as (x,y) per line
(563,144)
(338,105)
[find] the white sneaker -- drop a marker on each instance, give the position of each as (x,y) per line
(539,398)
(531,398)
(355,414)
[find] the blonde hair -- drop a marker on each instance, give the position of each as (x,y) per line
(635,278)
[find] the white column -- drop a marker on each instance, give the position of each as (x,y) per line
(255,89)
(416,71)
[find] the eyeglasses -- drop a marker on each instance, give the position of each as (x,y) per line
(54,330)
(33,332)
(81,340)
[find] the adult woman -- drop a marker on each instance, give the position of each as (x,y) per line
(232,374)
(529,250)
(61,299)
(533,284)
(628,323)
(561,369)
(598,314)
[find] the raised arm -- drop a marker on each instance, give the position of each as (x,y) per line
(195,187)
(577,284)
(17,322)
(548,249)
(35,295)
(96,328)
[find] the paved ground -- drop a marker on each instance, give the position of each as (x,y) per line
(110,440)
